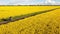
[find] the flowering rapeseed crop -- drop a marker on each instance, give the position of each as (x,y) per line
(47,23)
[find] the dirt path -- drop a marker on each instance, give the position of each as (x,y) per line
(26,16)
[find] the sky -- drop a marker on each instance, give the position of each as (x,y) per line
(29,2)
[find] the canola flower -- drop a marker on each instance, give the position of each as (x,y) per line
(16,18)
(7,11)
(46,23)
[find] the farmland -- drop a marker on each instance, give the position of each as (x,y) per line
(7,11)
(47,23)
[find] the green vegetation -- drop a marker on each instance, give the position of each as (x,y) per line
(15,18)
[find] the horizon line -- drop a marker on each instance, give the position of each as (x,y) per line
(29,5)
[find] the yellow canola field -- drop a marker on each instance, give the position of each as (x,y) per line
(7,11)
(47,23)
